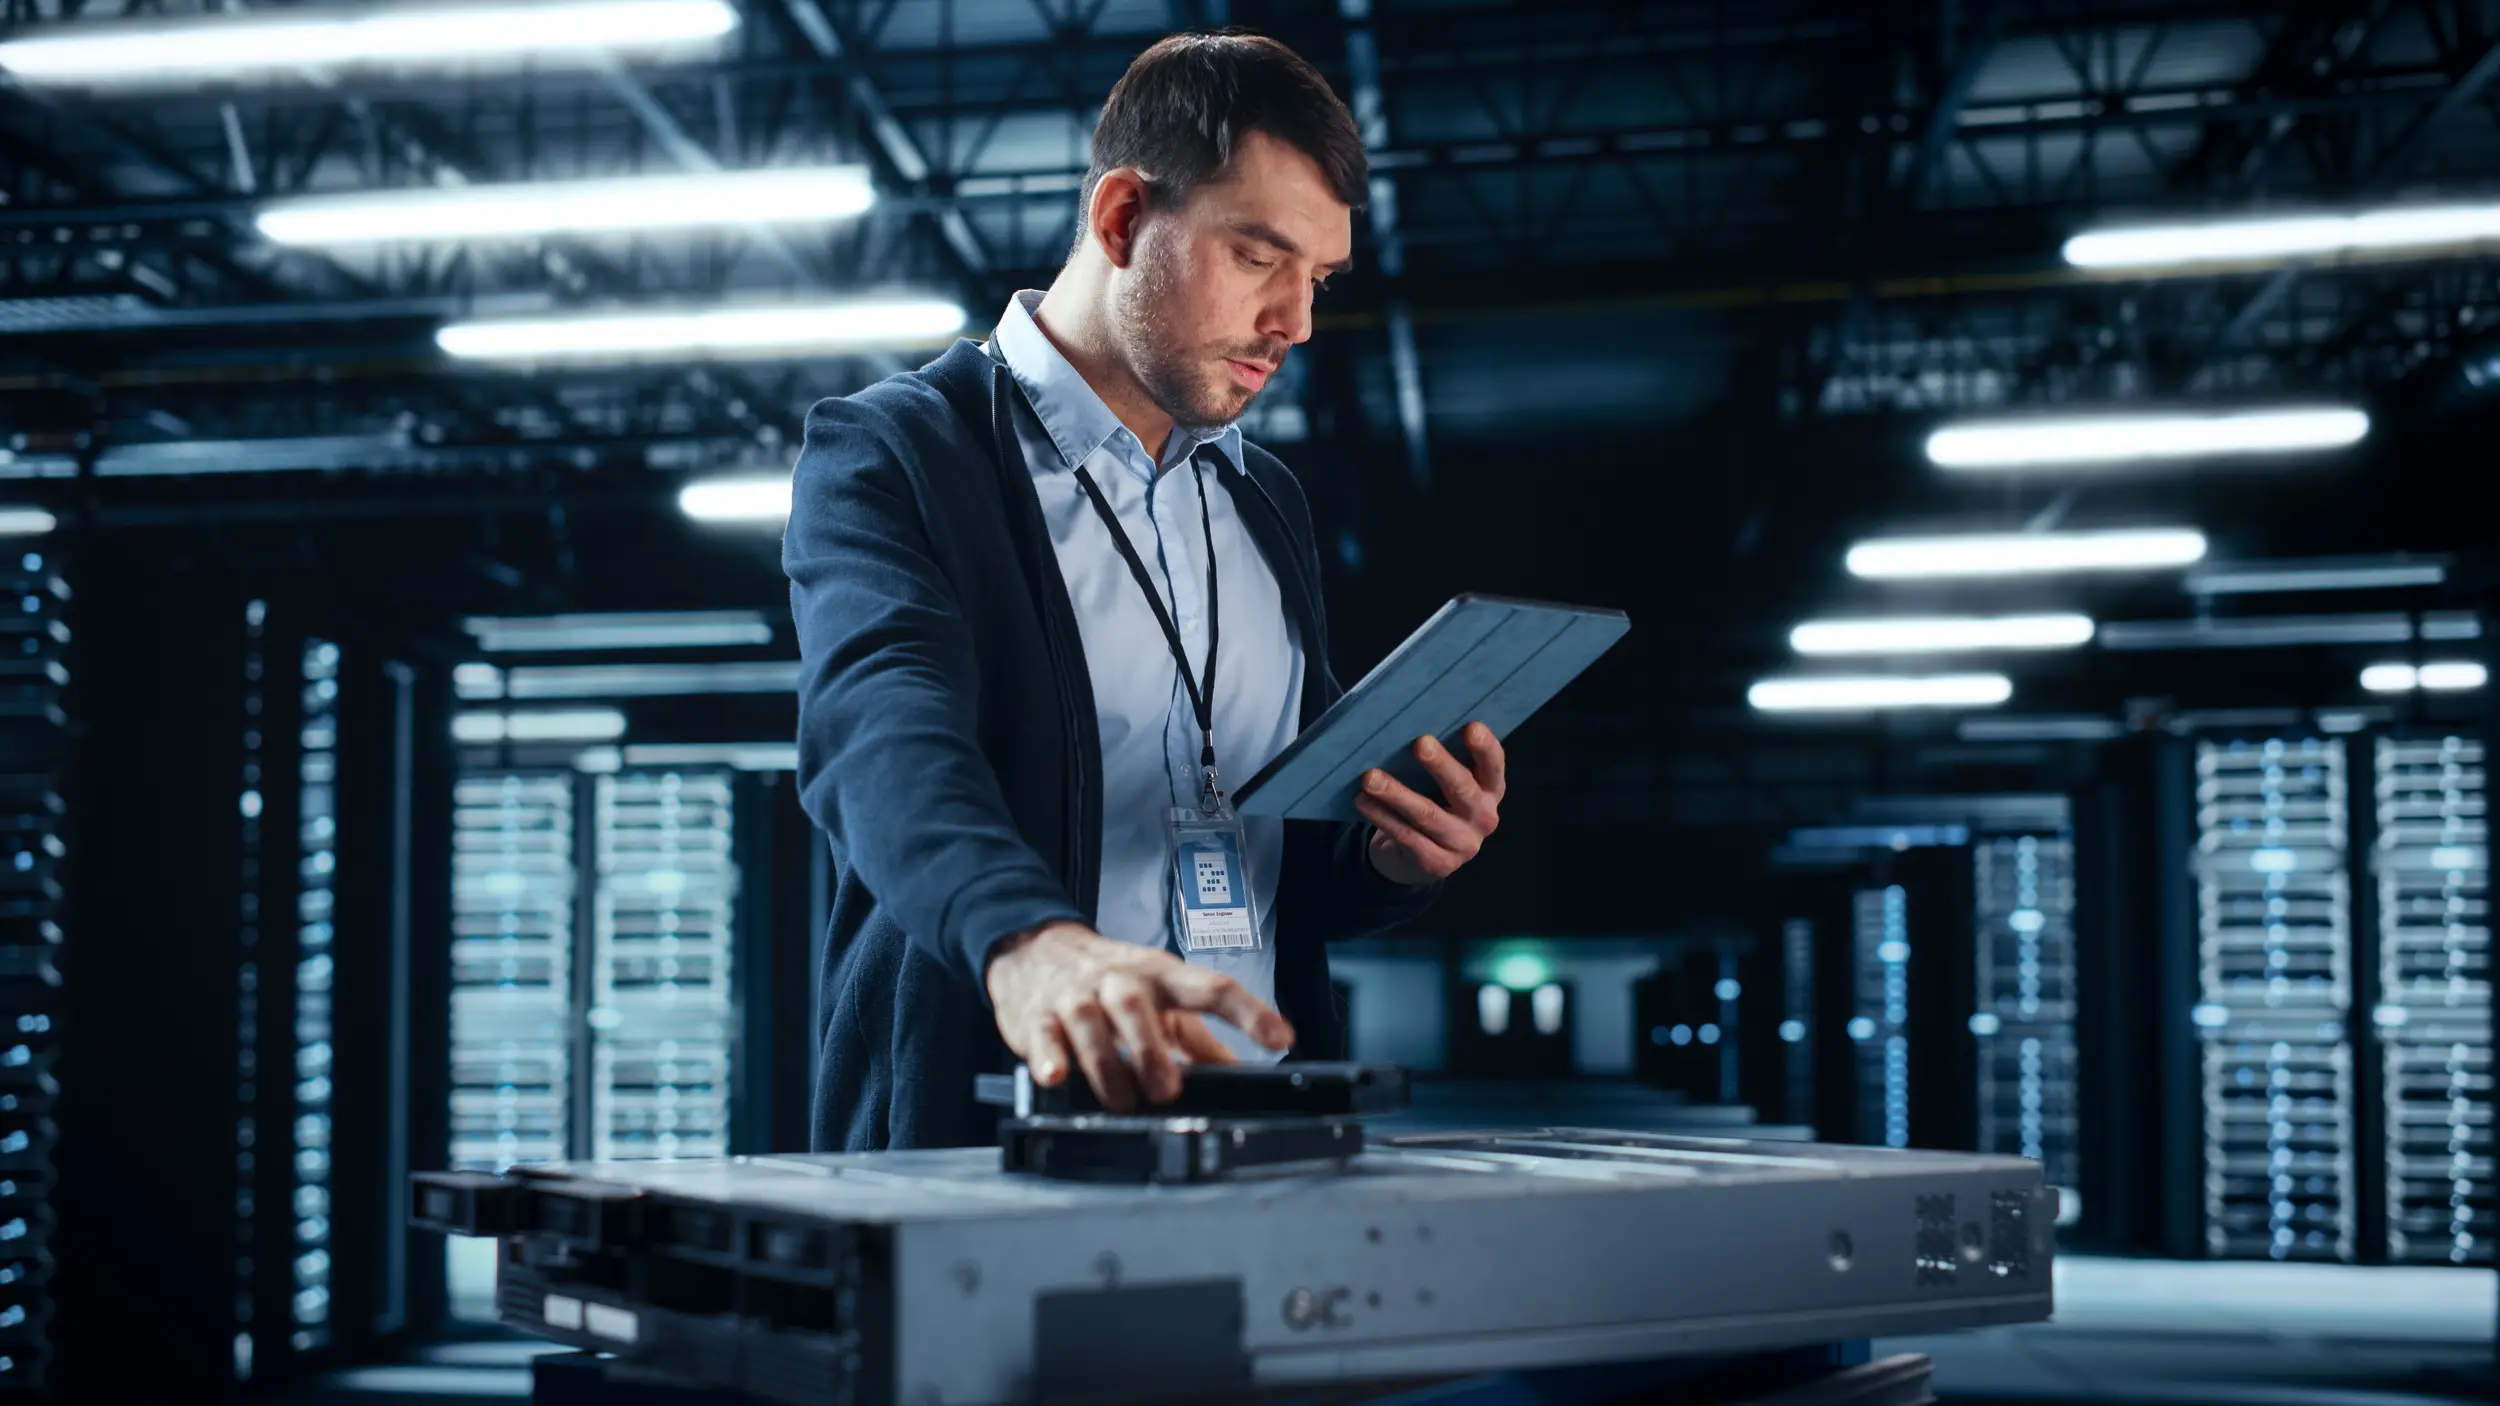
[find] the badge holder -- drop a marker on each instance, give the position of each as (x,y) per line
(1211,877)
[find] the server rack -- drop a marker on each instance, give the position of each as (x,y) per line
(33,749)
(2275,980)
(513,899)
(2431,866)
(2025,978)
(662,1013)
(1880,1020)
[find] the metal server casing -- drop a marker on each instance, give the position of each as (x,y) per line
(930,1277)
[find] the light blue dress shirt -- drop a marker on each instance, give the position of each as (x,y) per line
(1150,737)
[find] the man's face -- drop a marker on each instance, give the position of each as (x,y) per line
(1221,287)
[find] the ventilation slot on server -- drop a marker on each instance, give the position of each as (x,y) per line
(661,1008)
(2434,1014)
(2274,909)
(33,743)
(2025,1022)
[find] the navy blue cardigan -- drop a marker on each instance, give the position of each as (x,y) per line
(948,749)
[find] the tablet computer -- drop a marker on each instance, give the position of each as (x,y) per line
(1478,659)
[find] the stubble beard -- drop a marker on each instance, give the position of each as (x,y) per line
(1175,375)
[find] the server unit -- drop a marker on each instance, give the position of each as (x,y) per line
(2024,970)
(33,748)
(2274,908)
(2431,863)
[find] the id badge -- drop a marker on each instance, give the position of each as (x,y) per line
(1211,878)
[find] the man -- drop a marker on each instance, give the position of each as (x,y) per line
(1050,604)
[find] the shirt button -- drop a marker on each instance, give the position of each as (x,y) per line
(1189,624)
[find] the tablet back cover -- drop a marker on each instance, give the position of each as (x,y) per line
(1478,659)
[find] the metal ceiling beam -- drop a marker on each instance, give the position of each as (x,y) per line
(814,22)
(2388,170)
(1944,118)
(1371,115)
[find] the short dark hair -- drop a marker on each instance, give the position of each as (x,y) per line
(1182,109)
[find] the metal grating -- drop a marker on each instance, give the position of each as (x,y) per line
(512,967)
(661,1012)
(2274,952)
(33,748)
(2024,888)
(2432,866)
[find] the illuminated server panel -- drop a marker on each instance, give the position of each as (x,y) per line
(513,880)
(2432,864)
(2274,949)
(33,740)
(315,901)
(2025,1019)
(661,1012)
(1880,1023)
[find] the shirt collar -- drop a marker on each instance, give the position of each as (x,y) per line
(1071,411)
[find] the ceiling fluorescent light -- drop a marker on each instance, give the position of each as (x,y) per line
(653,680)
(631,205)
(756,498)
(2447,676)
(26,522)
(681,629)
(2023,553)
(737,756)
(2257,632)
(2426,228)
(577,725)
(854,325)
(181,55)
(2133,439)
(1847,695)
(1940,634)
(2041,728)
(2322,574)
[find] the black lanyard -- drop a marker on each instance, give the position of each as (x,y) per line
(1201,694)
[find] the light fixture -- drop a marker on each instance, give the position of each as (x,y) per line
(633,204)
(2447,676)
(756,498)
(673,629)
(1940,634)
(653,680)
(1880,691)
(1522,970)
(185,54)
(26,522)
(576,725)
(2427,228)
(853,325)
(2320,574)
(2024,553)
(2135,439)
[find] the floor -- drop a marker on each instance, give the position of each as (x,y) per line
(2126,1330)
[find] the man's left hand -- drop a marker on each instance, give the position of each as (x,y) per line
(1416,841)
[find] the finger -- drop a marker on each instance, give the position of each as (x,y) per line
(1098,1054)
(1492,764)
(1458,785)
(1197,989)
(1045,1051)
(1445,829)
(1135,1010)
(1436,859)
(1190,1034)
